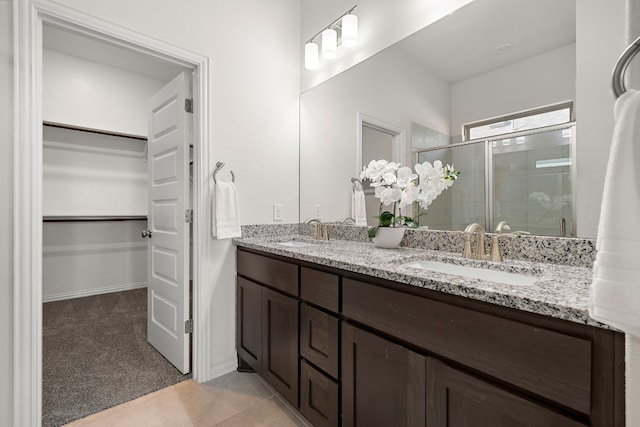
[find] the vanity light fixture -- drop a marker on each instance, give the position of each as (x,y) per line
(329,43)
(343,30)
(311,56)
(349,30)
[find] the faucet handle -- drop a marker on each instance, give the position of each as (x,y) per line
(496,254)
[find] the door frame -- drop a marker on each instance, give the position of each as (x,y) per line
(28,19)
(399,146)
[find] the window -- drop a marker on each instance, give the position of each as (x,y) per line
(517,122)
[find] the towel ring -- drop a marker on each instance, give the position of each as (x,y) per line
(219,166)
(619,70)
(356,180)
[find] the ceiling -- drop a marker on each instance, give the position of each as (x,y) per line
(462,44)
(103,52)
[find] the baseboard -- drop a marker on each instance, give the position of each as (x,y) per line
(219,369)
(91,292)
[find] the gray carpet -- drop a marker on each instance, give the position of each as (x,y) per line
(96,355)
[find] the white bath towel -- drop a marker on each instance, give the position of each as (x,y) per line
(225,213)
(615,291)
(358,207)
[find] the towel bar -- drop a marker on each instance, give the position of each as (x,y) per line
(219,166)
(617,83)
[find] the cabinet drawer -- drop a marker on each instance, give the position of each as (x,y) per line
(320,288)
(318,397)
(271,272)
(547,363)
(459,399)
(319,339)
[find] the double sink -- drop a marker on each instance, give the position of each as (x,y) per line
(487,271)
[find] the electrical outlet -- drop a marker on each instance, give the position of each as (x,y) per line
(317,211)
(277,212)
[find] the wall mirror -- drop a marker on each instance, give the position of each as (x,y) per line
(488,59)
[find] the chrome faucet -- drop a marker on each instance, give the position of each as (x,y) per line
(348,220)
(320,231)
(481,248)
(503,225)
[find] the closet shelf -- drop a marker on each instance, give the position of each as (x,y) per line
(87,218)
(91,130)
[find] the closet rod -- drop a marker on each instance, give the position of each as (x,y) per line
(89,218)
(90,130)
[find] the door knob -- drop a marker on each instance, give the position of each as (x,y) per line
(146,233)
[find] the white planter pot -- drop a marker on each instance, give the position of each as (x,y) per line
(388,237)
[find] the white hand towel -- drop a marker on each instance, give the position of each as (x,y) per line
(615,290)
(358,207)
(225,215)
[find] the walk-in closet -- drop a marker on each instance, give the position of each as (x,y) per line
(95,260)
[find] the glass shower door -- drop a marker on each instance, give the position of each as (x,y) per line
(532,183)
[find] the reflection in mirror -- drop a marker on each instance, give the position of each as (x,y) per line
(524,180)
(433,83)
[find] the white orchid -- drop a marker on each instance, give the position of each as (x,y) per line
(400,187)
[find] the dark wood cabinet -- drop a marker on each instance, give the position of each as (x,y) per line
(320,339)
(268,319)
(319,397)
(383,383)
(249,323)
(280,343)
(457,399)
(352,350)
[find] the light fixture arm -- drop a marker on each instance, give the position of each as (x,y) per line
(316,35)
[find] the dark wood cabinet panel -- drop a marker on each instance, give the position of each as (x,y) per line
(280,343)
(320,339)
(318,397)
(249,322)
(268,271)
(383,384)
(550,364)
(336,344)
(456,399)
(320,288)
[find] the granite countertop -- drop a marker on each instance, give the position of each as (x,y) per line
(559,291)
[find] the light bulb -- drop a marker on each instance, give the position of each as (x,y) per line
(349,30)
(329,43)
(311,56)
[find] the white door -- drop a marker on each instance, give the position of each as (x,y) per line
(168,267)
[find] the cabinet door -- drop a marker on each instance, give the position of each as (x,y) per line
(320,339)
(383,384)
(456,399)
(249,322)
(280,343)
(318,397)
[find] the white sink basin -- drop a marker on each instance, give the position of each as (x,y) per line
(474,272)
(295,244)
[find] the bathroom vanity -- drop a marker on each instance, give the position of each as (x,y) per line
(354,335)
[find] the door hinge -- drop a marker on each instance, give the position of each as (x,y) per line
(188,326)
(188,216)
(188,105)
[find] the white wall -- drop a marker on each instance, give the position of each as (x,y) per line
(88,94)
(381,24)
(541,80)
(92,174)
(254,89)
(6,213)
(390,87)
(600,40)
(89,258)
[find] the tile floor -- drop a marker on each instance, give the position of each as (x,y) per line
(235,399)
